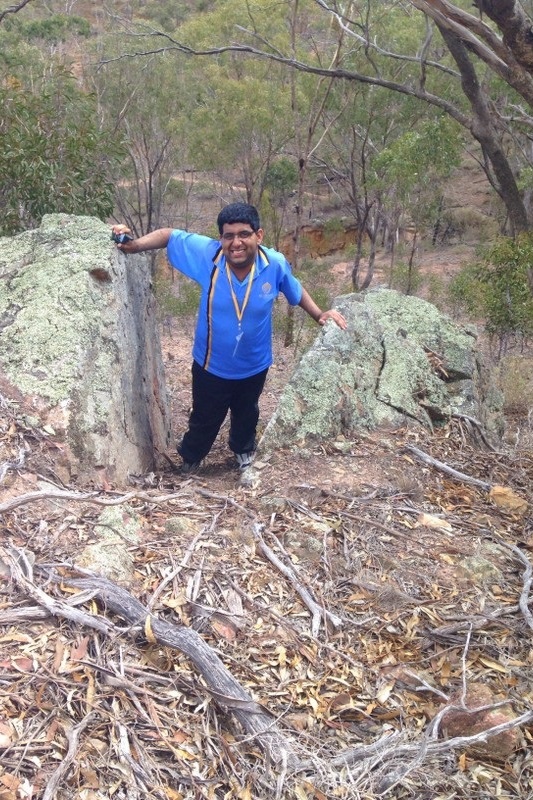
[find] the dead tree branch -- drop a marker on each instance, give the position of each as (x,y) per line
(440,465)
(317,611)
(73,736)
(225,690)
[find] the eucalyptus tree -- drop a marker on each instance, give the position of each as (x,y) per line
(386,156)
(483,61)
(53,157)
(240,120)
(140,105)
(466,47)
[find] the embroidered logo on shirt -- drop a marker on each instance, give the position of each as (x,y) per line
(266,288)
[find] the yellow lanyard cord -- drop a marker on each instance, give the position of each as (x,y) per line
(239,310)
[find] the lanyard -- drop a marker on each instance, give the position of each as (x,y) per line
(239,310)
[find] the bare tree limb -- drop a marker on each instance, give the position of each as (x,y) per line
(227,692)
(440,465)
(98,498)
(527,576)
(13,9)
(73,735)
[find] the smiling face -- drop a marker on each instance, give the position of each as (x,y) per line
(239,245)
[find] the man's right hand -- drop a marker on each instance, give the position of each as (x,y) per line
(150,241)
(128,245)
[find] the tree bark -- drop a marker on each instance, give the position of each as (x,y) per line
(225,690)
(484,131)
(515,26)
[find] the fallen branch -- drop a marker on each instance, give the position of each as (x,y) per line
(390,749)
(317,611)
(225,690)
(527,577)
(440,465)
(77,497)
(21,571)
(73,735)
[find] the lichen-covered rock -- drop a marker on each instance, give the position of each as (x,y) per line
(401,360)
(79,339)
(117,531)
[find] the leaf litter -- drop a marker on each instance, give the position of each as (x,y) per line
(356,597)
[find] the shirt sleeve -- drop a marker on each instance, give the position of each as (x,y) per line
(192,254)
(288,285)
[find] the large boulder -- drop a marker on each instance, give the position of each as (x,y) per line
(80,342)
(401,360)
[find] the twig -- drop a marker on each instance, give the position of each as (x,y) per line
(7,465)
(440,465)
(184,561)
(73,736)
(479,427)
(317,612)
(527,576)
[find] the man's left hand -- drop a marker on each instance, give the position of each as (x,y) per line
(336,316)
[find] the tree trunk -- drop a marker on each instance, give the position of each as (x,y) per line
(515,26)
(484,131)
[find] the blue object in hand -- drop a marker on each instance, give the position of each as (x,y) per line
(121,238)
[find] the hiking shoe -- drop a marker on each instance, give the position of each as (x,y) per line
(190,468)
(244,460)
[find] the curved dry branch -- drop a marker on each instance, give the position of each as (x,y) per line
(73,736)
(98,498)
(337,72)
(13,9)
(527,576)
(225,690)
(442,467)
(317,611)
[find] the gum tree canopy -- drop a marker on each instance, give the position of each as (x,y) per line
(361,46)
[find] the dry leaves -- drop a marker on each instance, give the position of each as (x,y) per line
(389,565)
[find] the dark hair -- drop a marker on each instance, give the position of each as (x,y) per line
(239,212)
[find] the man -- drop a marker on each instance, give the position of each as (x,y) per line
(240,280)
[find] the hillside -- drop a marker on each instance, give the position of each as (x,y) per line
(347,623)
(350,600)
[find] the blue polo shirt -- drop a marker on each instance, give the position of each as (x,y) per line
(223,344)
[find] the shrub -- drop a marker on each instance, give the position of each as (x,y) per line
(495,289)
(516,383)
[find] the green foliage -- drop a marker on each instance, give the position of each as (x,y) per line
(176,296)
(315,276)
(52,156)
(405,278)
(168,14)
(333,225)
(496,289)
(516,384)
(416,162)
(53,29)
(437,291)
(281,178)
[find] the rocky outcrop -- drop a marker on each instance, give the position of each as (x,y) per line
(320,239)
(79,341)
(401,360)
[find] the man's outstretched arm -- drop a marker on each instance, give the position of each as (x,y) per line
(151,241)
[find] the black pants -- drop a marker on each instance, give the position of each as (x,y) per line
(212,398)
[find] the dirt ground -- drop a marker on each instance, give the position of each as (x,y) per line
(361,598)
